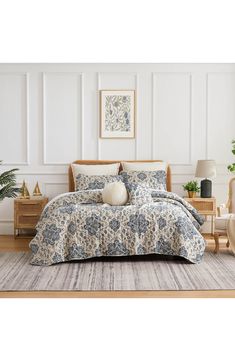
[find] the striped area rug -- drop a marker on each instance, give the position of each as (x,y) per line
(136,273)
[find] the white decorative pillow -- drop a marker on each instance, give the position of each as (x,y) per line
(115,194)
(96,169)
(143,166)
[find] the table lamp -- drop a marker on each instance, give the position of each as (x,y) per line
(206,169)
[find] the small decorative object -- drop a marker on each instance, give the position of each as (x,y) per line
(231,167)
(206,169)
(37,192)
(192,187)
(117,113)
(8,187)
(24,191)
(115,194)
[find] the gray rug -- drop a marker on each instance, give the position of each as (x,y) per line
(137,273)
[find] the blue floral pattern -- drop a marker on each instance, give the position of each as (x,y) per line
(142,176)
(114,224)
(68,209)
(92,224)
(117,249)
(34,248)
(138,223)
(57,258)
(76,251)
(139,195)
(86,182)
(161,222)
(79,226)
(152,179)
(51,234)
(72,228)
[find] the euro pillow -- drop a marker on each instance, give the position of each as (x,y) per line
(94,169)
(139,195)
(115,194)
(143,166)
(150,179)
(85,182)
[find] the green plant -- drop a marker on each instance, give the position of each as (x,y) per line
(191,186)
(8,187)
(231,167)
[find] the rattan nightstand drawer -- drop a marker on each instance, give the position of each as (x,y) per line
(27,220)
(205,206)
(30,207)
(27,214)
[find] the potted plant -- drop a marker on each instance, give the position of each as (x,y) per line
(231,167)
(192,187)
(8,187)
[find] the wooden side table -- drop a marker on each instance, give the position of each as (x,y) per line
(206,207)
(26,215)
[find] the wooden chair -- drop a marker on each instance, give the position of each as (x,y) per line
(224,213)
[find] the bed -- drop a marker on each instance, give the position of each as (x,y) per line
(77,225)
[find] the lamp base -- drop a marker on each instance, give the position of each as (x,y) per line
(206,188)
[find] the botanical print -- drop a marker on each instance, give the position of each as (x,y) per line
(117,113)
(78,226)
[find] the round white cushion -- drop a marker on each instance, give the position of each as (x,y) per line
(115,194)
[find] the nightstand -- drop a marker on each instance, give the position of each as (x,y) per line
(26,215)
(206,207)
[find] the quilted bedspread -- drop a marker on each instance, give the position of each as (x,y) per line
(76,226)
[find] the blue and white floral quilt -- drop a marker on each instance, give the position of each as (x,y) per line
(76,226)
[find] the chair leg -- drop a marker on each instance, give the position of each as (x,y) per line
(227,243)
(216,238)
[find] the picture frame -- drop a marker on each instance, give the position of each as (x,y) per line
(117,114)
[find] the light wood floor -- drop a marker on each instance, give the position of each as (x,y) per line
(9,244)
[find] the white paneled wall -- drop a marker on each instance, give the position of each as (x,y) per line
(62,116)
(14,117)
(172,105)
(49,116)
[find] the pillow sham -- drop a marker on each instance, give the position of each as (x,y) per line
(94,169)
(139,195)
(115,194)
(143,166)
(86,182)
(151,179)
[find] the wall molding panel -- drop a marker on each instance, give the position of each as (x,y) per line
(137,99)
(51,115)
(98,114)
(80,148)
(24,93)
(155,120)
(82,114)
(221,103)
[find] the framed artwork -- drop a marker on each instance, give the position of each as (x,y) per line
(117,113)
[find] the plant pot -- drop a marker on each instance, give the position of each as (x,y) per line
(191,194)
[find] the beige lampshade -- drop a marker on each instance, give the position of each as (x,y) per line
(205,169)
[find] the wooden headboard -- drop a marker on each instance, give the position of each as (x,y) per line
(96,162)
